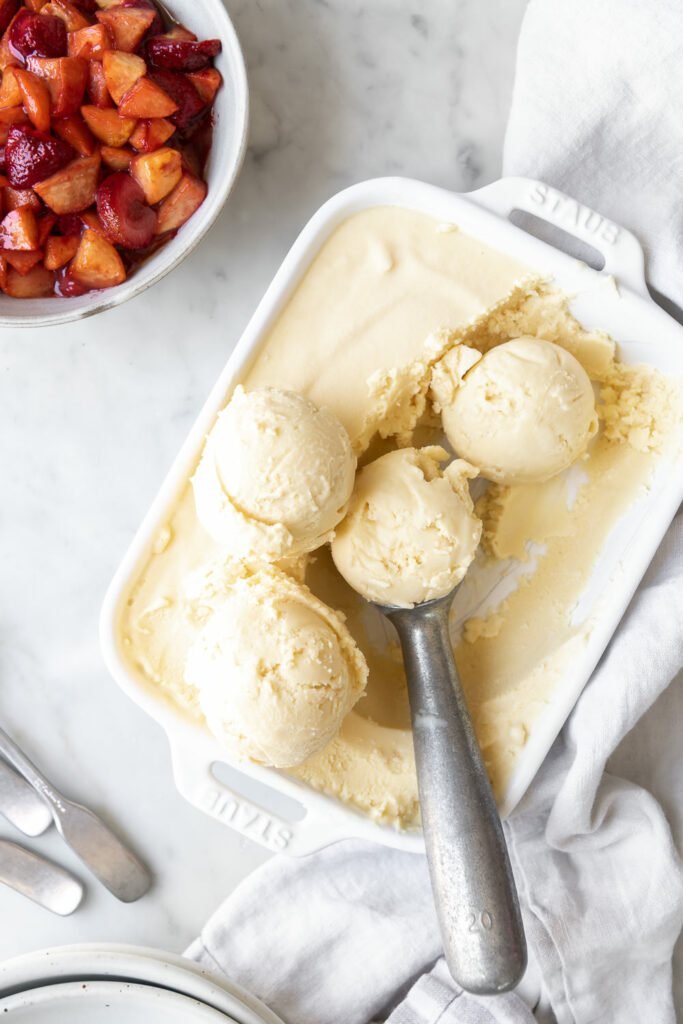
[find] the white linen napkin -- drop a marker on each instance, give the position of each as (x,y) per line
(340,936)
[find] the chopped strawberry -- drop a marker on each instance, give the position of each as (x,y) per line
(121,72)
(89,6)
(147,99)
(59,250)
(74,188)
(184,200)
(75,131)
(22,260)
(127,26)
(180,54)
(151,133)
(125,215)
(19,230)
(7,57)
(108,126)
(157,173)
(32,155)
(36,284)
(182,91)
(89,43)
(96,263)
(8,8)
(39,34)
(207,83)
(36,99)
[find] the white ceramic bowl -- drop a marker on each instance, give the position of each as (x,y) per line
(209,20)
(95,961)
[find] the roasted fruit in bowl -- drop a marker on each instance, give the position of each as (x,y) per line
(106,124)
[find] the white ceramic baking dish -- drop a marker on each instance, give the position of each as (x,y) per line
(615,299)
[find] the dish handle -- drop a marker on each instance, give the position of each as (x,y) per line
(200,787)
(622,252)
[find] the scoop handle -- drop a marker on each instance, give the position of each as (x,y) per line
(474,889)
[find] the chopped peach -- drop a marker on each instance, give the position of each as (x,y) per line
(74,188)
(92,221)
(10,90)
(89,43)
(36,99)
(121,72)
(207,82)
(70,15)
(127,25)
(108,126)
(13,198)
(75,131)
(96,263)
(151,133)
(147,99)
(36,284)
(45,226)
(179,32)
(59,249)
(116,158)
(184,200)
(97,85)
(19,230)
(23,261)
(35,5)
(157,173)
(8,117)
(65,78)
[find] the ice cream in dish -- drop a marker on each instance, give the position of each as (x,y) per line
(390,303)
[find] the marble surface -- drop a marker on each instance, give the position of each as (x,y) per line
(91,414)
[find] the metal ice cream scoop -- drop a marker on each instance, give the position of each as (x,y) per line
(474,890)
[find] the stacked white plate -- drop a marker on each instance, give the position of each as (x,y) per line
(117,984)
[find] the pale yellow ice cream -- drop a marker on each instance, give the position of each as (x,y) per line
(521,413)
(390,293)
(410,533)
(275,477)
(275,670)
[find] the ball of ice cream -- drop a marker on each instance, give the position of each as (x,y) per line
(410,532)
(276,670)
(521,413)
(275,476)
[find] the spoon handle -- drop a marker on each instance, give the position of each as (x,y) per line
(469,865)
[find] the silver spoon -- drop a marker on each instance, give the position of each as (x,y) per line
(21,805)
(475,894)
(97,846)
(39,879)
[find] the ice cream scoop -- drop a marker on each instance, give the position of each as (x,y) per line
(521,413)
(275,670)
(474,890)
(410,531)
(275,475)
